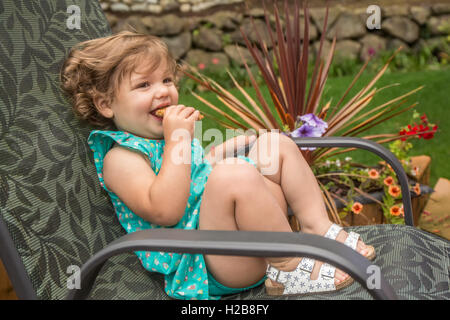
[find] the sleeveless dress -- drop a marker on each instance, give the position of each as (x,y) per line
(186,276)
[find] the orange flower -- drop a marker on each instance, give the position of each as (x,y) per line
(357,208)
(395,210)
(388,181)
(394,191)
(373,174)
(416,188)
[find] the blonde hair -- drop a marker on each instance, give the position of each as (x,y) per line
(96,68)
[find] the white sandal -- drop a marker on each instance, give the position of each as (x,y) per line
(351,241)
(299,280)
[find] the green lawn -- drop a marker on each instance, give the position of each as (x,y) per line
(432,100)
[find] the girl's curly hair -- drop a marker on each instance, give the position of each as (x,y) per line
(96,68)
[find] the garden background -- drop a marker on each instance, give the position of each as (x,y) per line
(205,33)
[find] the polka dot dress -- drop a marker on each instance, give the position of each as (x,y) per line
(185,274)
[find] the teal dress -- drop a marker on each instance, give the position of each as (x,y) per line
(186,276)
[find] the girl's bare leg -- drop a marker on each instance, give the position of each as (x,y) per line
(236,197)
(299,186)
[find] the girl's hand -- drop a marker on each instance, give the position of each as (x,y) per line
(229,148)
(179,117)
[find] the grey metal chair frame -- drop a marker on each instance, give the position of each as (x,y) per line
(241,243)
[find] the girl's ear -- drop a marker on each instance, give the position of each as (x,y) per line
(103,106)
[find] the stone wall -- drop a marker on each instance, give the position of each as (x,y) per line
(159,6)
(209,41)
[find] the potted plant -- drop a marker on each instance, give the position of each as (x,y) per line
(296,108)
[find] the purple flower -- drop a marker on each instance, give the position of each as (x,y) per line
(312,120)
(306,131)
(311,126)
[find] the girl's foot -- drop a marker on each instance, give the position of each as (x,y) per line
(337,233)
(339,275)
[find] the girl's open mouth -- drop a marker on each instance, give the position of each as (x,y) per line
(155,116)
(153,113)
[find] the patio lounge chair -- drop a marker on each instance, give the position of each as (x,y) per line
(54,214)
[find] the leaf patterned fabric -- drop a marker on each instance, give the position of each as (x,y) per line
(55,210)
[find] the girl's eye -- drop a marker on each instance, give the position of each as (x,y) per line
(168,80)
(144,84)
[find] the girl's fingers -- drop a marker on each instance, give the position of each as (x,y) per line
(194,115)
(187,111)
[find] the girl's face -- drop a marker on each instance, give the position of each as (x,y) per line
(139,96)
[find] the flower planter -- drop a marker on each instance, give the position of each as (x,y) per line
(372,212)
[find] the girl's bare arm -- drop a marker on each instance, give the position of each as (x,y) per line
(160,199)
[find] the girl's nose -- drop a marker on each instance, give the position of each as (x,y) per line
(161,91)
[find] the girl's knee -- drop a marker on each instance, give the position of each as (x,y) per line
(235,173)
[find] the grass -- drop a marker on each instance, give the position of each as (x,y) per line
(432,100)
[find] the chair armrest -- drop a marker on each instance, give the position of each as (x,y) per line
(242,243)
(374,147)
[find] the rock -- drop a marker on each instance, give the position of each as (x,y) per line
(318,16)
(236,37)
(130,24)
(191,24)
(261,29)
(371,46)
(394,44)
(395,10)
(207,60)
(313,33)
(209,39)
(347,49)
(256,13)
(439,25)
(402,28)
(154,8)
(179,45)
(167,25)
(119,7)
(225,20)
(185,7)
(168,5)
(347,26)
(232,52)
(325,49)
(420,14)
(139,7)
(441,8)
(112,19)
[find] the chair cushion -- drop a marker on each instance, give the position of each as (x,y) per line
(415,262)
(50,200)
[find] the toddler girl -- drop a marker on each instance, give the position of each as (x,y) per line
(117,83)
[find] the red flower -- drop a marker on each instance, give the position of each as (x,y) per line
(201,66)
(424,118)
(430,135)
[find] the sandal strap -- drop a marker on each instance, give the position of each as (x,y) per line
(352,240)
(327,271)
(306,264)
(277,275)
(305,267)
(301,283)
(333,231)
(299,280)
